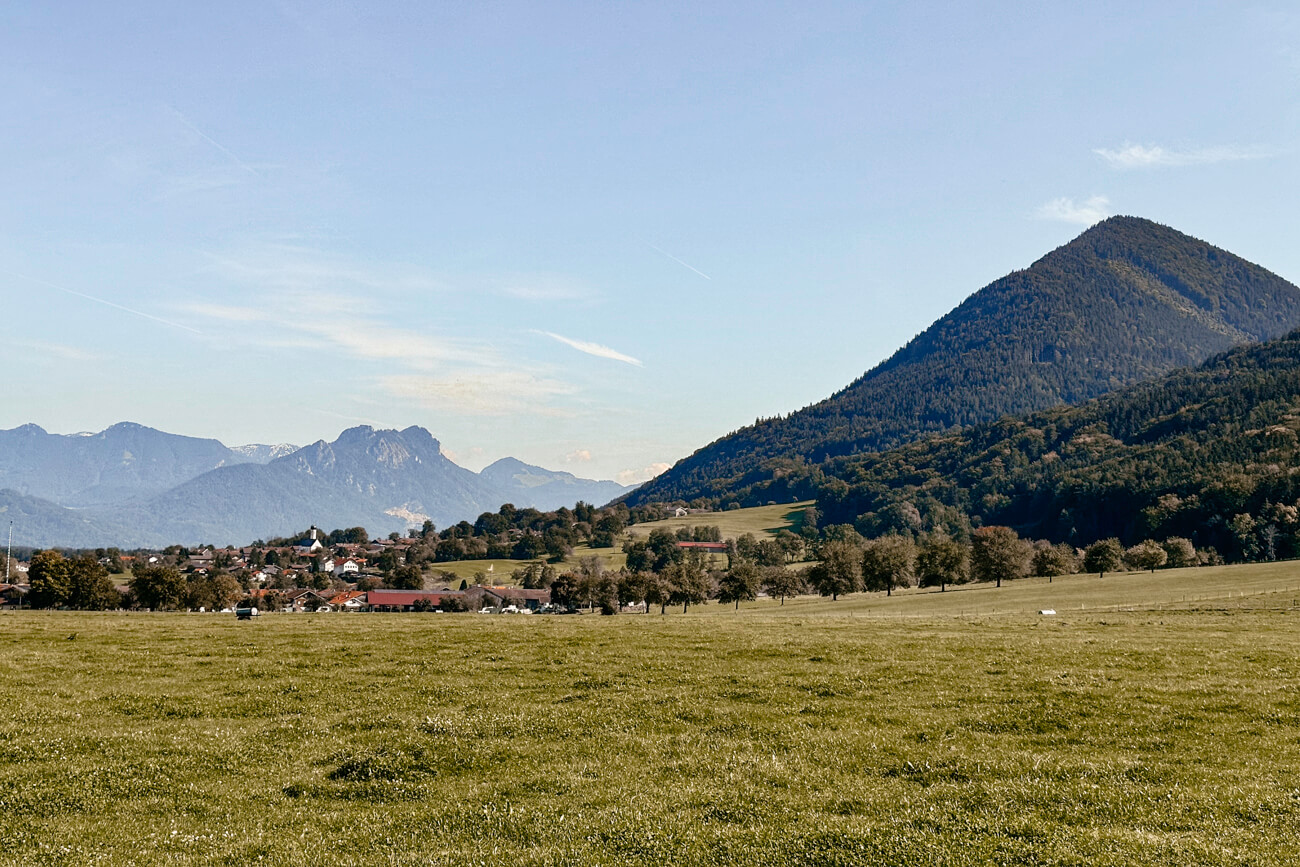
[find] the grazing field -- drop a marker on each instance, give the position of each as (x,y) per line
(859,732)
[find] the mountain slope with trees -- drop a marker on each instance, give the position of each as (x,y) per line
(1125,301)
(1210,454)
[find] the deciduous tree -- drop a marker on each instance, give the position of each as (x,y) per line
(941,560)
(887,563)
(1102,556)
(840,569)
(48,576)
(1147,554)
(1049,560)
(739,583)
(157,586)
(998,554)
(782,582)
(1180,552)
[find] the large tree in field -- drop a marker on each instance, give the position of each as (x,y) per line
(998,554)
(1146,555)
(633,587)
(739,583)
(887,563)
(1049,560)
(1179,552)
(783,582)
(941,560)
(1102,556)
(157,586)
(840,569)
(658,590)
(89,587)
(688,580)
(48,576)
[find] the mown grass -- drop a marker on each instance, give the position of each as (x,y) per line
(1097,737)
(759,520)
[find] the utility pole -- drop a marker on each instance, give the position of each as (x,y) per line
(9,552)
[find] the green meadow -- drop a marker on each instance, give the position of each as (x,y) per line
(1159,723)
(759,520)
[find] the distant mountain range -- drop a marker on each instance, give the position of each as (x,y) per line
(132,486)
(1126,301)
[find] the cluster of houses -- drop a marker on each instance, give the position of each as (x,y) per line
(476,598)
(310,576)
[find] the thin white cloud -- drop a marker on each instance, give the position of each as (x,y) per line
(1138,156)
(105,302)
(293,298)
(578,456)
(1066,210)
(595,349)
(227,312)
(645,474)
(542,289)
(55,350)
(678,261)
(497,392)
(216,144)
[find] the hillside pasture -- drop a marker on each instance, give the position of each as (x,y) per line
(1147,736)
(759,520)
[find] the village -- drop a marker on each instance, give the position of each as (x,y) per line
(310,575)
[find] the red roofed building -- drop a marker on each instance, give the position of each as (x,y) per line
(405,600)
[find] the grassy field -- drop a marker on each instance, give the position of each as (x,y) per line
(1142,729)
(761,521)
(500,571)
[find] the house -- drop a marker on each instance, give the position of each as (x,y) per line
(348,600)
(306,600)
(680,512)
(12,595)
(347,569)
(709,547)
(501,597)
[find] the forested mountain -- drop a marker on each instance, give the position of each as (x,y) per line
(1125,301)
(1211,454)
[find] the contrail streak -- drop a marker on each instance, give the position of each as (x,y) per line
(210,140)
(678,261)
(103,301)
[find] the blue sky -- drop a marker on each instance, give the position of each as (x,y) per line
(593,236)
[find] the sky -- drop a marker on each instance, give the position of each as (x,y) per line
(595,237)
